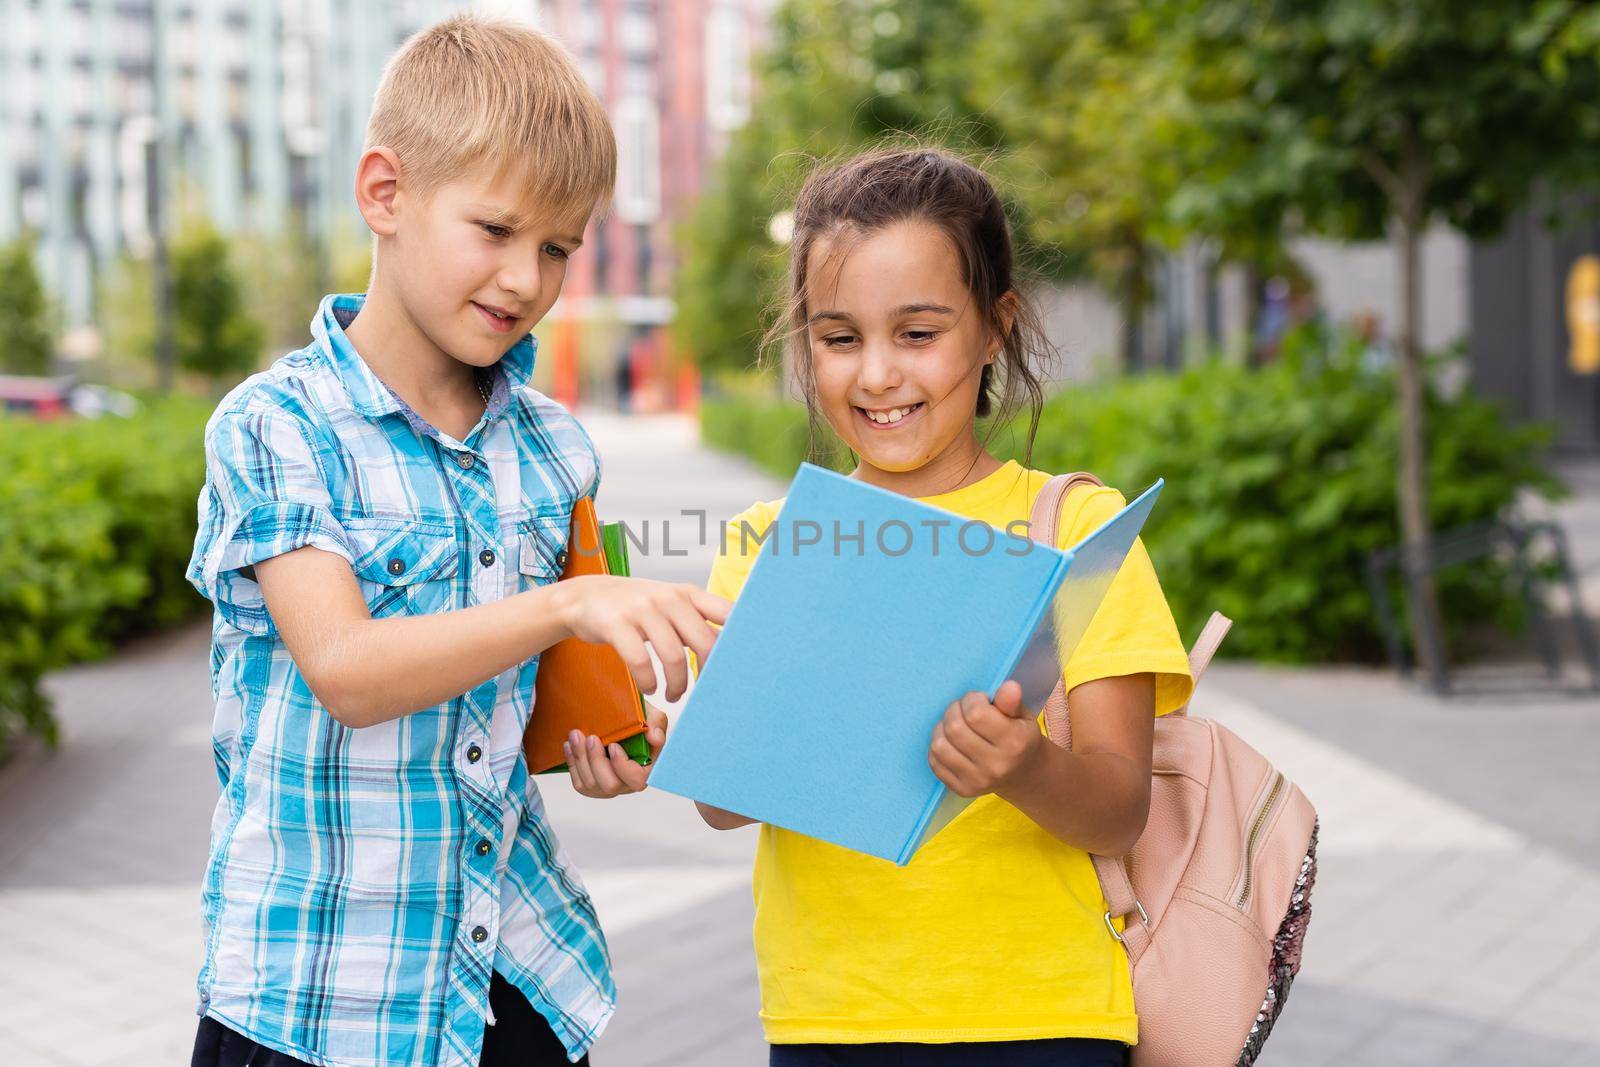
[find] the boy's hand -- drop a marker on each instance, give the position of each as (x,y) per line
(627,613)
(981,747)
(608,773)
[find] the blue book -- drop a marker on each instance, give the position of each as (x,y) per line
(865,616)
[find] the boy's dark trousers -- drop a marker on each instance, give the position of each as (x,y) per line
(520,1037)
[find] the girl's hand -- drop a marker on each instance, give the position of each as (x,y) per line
(606,773)
(629,613)
(981,747)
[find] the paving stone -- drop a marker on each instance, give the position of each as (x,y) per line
(1456,918)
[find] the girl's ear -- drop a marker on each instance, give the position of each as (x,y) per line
(1005,313)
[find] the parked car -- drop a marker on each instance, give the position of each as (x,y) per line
(62,397)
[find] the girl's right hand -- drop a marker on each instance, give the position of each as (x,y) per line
(629,613)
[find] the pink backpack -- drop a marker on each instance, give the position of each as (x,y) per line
(1216,895)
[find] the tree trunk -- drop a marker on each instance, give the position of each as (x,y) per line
(162,153)
(1422,602)
(1133,307)
(161,279)
(1254,278)
(1212,295)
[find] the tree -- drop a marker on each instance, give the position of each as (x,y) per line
(1079,87)
(837,74)
(25,342)
(125,311)
(1370,118)
(214,333)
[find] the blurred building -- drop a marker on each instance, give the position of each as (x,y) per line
(1525,306)
(259,107)
(1535,296)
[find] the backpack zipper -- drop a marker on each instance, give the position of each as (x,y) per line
(1255,832)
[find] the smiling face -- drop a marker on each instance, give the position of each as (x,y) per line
(475,268)
(898,346)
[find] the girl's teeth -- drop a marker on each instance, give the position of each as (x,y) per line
(892,415)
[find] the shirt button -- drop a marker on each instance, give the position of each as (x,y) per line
(486,558)
(474,753)
(561,558)
(397,566)
(465,460)
(483,847)
(479,934)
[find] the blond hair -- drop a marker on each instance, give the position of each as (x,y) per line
(481,92)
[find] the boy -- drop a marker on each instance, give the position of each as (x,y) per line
(384,519)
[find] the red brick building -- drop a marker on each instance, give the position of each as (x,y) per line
(676,78)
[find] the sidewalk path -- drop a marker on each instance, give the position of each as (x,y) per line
(1457,913)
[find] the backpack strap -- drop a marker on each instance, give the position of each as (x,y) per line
(1205,646)
(1044,526)
(1112,871)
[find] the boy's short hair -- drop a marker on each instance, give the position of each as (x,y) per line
(478,91)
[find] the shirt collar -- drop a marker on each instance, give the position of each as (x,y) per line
(368,393)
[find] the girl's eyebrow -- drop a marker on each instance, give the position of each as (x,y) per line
(819,316)
(903,309)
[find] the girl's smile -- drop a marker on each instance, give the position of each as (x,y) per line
(882,420)
(898,347)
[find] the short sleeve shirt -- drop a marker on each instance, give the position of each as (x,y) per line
(362,884)
(996,930)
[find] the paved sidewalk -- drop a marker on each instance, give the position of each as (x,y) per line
(1456,916)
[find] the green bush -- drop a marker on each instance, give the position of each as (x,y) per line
(25,343)
(97,520)
(215,332)
(1280,481)
(748,417)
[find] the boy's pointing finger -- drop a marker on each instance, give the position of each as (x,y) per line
(711,607)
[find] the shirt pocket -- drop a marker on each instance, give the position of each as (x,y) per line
(405,567)
(542,547)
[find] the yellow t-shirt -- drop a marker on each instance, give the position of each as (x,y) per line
(994,931)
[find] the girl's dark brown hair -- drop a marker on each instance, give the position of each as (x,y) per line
(866,193)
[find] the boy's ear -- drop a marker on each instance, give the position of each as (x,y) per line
(377,189)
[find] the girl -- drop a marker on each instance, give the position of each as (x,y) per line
(990,948)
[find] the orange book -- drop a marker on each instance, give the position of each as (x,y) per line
(580,685)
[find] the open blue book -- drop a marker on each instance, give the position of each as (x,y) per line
(865,616)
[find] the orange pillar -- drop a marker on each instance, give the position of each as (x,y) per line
(564,379)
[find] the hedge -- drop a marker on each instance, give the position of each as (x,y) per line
(1280,481)
(97,520)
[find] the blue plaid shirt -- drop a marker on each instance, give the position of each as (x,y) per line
(362,883)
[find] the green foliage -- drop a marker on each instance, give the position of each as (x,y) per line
(275,309)
(214,332)
(126,307)
(770,430)
(1088,97)
(25,344)
(97,520)
(837,75)
(1280,481)
(732,271)
(1355,112)
(283,289)
(1371,117)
